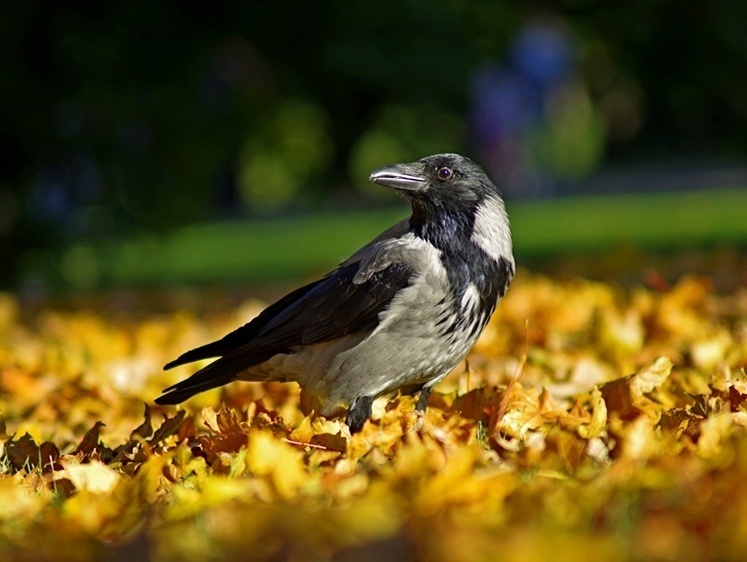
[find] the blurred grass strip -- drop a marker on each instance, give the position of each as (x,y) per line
(265,250)
(662,221)
(257,250)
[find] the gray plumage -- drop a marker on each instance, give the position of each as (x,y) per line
(400,313)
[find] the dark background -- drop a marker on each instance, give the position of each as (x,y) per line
(119,119)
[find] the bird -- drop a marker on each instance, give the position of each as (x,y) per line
(399,314)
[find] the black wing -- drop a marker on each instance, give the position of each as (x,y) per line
(246,333)
(325,310)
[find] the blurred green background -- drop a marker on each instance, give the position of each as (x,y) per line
(170,142)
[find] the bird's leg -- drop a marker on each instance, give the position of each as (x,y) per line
(425,393)
(420,407)
(358,413)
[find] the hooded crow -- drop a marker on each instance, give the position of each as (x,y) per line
(400,313)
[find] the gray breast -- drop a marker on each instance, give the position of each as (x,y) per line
(419,338)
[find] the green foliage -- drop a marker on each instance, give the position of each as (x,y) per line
(142,117)
(283,155)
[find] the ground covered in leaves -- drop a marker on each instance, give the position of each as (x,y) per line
(589,423)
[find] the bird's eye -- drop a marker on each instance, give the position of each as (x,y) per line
(444,173)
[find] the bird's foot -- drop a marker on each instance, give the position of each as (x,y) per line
(421,421)
(358,413)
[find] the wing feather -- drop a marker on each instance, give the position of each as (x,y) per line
(330,308)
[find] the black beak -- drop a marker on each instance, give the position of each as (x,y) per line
(400,176)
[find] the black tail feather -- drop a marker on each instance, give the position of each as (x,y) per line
(186,389)
(204,352)
(218,373)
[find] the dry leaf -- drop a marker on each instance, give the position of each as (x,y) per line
(93,476)
(572,461)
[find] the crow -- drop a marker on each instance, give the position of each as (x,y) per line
(399,314)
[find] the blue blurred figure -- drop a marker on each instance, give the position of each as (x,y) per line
(519,110)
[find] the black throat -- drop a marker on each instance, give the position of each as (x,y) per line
(464,261)
(447,231)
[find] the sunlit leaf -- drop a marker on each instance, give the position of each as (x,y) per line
(589,423)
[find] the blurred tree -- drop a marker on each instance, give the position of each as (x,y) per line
(142,115)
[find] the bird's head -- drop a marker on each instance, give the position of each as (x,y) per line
(440,183)
(452,198)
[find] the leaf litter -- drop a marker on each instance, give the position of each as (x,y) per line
(589,422)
